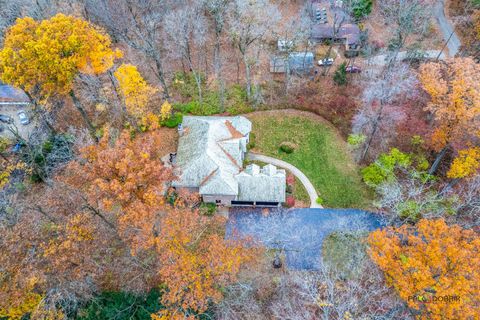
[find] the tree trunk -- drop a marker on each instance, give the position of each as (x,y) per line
(326,68)
(41,111)
(401,41)
(123,107)
(218,68)
(247,77)
(97,213)
(198,80)
(196,75)
(449,186)
(83,113)
(374,131)
(204,53)
(287,75)
(44,213)
(161,76)
(438,160)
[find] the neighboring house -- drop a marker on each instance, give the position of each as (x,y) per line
(296,62)
(209,161)
(12,96)
(348,34)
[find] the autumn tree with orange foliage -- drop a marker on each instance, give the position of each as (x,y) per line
(454,89)
(197,261)
(104,224)
(429,261)
(60,250)
(124,181)
(43,58)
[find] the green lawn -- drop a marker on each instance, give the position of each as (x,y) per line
(320,153)
(300,193)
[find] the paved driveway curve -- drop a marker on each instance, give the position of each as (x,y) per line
(447,28)
(312,193)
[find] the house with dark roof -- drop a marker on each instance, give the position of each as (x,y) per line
(348,34)
(12,96)
(209,160)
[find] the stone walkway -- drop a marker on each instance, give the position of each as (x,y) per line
(312,193)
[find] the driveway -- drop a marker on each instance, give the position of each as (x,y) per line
(298,232)
(13,100)
(381,59)
(11,110)
(312,193)
(447,28)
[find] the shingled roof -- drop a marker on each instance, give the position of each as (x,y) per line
(265,184)
(12,94)
(210,153)
(349,31)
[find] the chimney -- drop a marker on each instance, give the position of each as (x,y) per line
(270,170)
(180,130)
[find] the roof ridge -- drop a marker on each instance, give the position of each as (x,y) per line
(233,131)
(229,156)
(208,176)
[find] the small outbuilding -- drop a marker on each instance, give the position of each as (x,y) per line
(295,62)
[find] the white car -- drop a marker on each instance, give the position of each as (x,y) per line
(22,115)
(325,62)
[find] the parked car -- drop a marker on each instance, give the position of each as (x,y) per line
(321,14)
(353,69)
(22,115)
(5,118)
(325,62)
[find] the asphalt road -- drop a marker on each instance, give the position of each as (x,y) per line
(448,34)
(446,28)
(298,232)
(382,59)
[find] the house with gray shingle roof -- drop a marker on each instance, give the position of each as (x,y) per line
(209,161)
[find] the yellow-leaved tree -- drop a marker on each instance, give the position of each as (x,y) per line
(454,89)
(434,267)
(136,92)
(466,164)
(166,110)
(44,57)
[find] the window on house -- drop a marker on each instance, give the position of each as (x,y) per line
(218,201)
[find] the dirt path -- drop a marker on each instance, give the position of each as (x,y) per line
(312,193)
